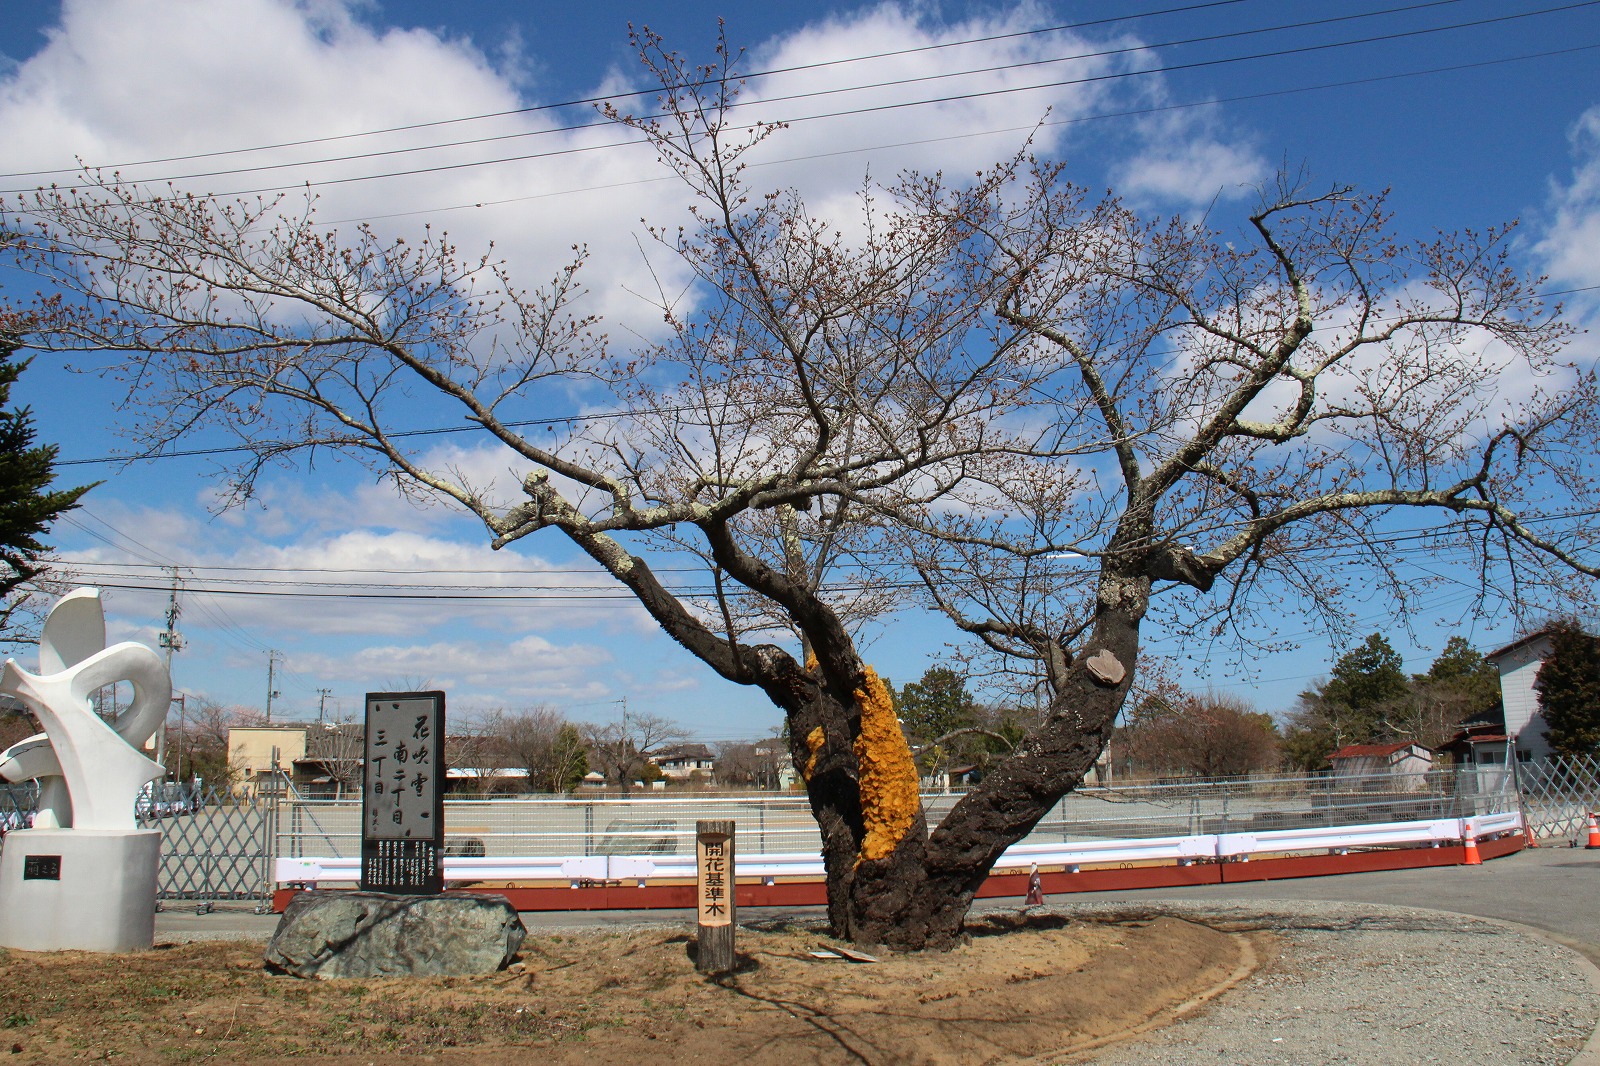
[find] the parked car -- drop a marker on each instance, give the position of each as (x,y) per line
(163,800)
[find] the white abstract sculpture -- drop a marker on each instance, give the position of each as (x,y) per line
(84,876)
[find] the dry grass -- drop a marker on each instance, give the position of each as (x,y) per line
(1018,988)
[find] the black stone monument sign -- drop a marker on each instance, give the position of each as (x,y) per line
(402,798)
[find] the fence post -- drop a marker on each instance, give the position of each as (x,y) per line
(714,892)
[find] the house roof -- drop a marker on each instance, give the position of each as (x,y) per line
(1482,734)
(1488,718)
(1520,642)
(684,751)
(1360,751)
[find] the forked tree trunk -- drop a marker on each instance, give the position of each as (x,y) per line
(892,883)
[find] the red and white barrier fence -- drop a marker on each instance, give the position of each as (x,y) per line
(1070,856)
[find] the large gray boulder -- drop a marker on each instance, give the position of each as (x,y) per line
(375,934)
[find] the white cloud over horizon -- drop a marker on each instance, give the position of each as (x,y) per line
(128,80)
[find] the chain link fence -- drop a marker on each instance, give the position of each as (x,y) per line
(781,823)
(17,803)
(215,844)
(1558,794)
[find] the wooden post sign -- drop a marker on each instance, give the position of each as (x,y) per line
(402,797)
(714,894)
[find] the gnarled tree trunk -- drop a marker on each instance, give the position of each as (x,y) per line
(890,881)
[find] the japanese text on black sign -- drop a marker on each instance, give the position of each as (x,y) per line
(715,880)
(403,760)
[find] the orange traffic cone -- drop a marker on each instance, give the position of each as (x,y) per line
(1472,857)
(1594,833)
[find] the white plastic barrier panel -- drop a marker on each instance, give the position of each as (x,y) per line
(1235,845)
(1488,824)
(1082,852)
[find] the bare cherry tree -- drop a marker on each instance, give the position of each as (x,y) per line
(540,742)
(1203,736)
(622,749)
(1263,408)
(1032,394)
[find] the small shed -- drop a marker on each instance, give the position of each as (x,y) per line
(1398,765)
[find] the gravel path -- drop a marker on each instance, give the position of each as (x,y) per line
(1379,986)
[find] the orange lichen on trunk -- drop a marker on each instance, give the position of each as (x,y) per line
(889,789)
(814,741)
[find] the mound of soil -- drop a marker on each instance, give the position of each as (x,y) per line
(1020,988)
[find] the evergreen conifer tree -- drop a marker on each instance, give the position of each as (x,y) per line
(1568,685)
(27,505)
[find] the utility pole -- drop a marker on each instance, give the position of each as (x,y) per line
(171,640)
(274,657)
(322,704)
(182,700)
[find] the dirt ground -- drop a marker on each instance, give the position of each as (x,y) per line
(1020,989)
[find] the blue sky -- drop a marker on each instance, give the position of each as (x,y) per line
(1469,126)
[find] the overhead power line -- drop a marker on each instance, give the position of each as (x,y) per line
(886,107)
(1418,542)
(767,101)
(1101,116)
(592,100)
(200,571)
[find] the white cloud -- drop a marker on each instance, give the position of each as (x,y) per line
(126,80)
(359,561)
(1184,161)
(1570,246)
(524,671)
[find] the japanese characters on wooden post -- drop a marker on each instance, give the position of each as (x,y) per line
(714,894)
(402,798)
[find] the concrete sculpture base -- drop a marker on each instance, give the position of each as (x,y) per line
(79,889)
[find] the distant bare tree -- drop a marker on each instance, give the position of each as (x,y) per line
(622,749)
(1205,736)
(197,745)
(16,723)
(740,762)
(477,757)
(340,747)
(541,741)
(407,683)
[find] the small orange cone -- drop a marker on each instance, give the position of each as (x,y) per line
(1472,857)
(1594,833)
